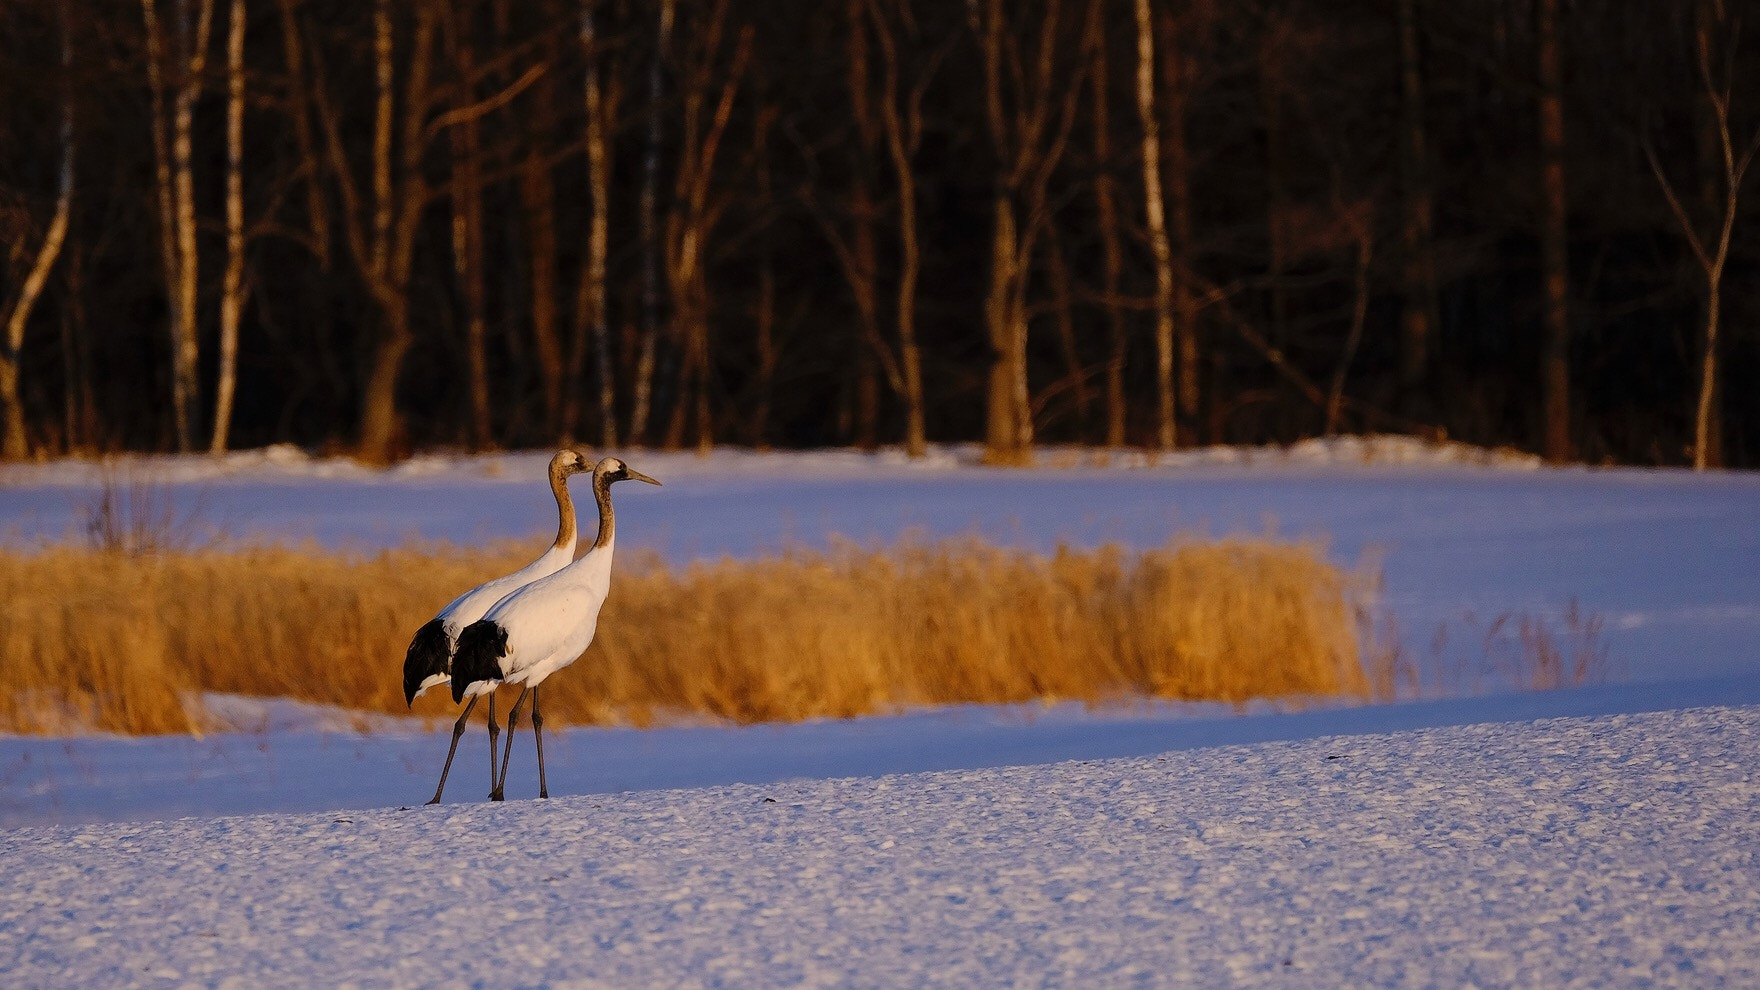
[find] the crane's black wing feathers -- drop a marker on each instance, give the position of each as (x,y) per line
(430,653)
(481,646)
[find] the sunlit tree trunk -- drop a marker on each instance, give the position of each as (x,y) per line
(14,443)
(692,218)
(902,115)
(380,223)
(232,286)
(1029,112)
(591,319)
(173,142)
(1177,81)
(1166,437)
(1712,254)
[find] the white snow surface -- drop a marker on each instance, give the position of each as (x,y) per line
(1614,851)
(1595,836)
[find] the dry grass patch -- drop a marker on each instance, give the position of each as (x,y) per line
(117,641)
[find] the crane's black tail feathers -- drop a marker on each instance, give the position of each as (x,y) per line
(430,655)
(481,646)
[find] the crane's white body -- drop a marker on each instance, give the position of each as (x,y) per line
(551,621)
(475,603)
(544,626)
(431,652)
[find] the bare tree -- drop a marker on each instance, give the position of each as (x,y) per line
(590,309)
(311,158)
(1417,242)
(1555,368)
(1029,122)
(1711,253)
(1358,219)
(466,199)
(1111,239)
(173,148)
(1156,214)
(1179,79)
(557,372)
(693,216)
(651,247)
(764,310)
(232,287)
(380,223)
(14,444)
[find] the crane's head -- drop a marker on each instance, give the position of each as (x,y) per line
(569,461)
(611,469)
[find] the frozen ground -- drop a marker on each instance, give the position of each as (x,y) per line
(1449,842)
(1614,851)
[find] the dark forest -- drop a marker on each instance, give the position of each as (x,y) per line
(400,225)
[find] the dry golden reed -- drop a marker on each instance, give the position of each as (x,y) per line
(119,642)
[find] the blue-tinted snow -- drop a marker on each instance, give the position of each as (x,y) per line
(1613,851)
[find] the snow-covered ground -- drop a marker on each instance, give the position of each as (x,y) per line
(1616,851)
(1444,841)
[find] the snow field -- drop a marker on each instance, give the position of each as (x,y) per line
(1611,851)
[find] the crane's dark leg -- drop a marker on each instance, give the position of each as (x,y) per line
(507,752)
(538,733)
(457,730)
(494,734)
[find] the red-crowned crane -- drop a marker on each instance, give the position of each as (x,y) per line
(430,657)
(544,626)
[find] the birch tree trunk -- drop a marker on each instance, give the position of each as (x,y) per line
(232,287)
(1166,438)
(598,112)
(14,442)
(1177,81)
(186,385)
(1713,257)
(901,116)
(173,144)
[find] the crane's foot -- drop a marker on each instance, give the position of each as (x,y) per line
(434,800)
(496,796)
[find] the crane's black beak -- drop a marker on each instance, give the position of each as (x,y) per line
(635,475)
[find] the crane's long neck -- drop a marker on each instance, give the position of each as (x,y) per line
(566,533)
(607,522)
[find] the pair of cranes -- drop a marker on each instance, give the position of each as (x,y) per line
(522,628)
